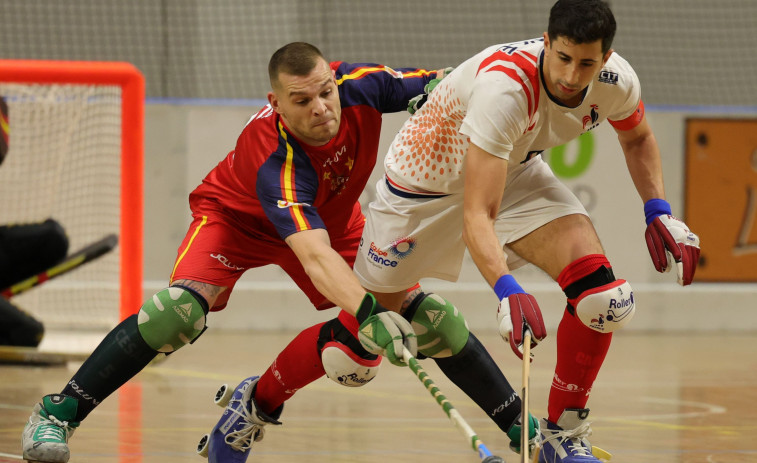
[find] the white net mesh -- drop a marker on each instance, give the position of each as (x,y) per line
(686,52)
(64,162)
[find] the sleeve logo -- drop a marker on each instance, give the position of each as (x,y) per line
(283,204)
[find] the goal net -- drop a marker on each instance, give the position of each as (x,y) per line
(76,141)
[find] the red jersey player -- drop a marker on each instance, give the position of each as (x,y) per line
(286,195)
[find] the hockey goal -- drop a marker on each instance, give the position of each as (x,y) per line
(76,155)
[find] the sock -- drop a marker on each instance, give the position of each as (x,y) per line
(475,373)
(121,355)
(298,365)
(580,350)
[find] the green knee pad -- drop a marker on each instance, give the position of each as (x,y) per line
(440,327)
(172,318)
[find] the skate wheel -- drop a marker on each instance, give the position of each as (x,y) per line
(603,455)
(223,395)
(202,446)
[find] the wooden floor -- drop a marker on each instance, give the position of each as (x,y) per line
(660,398)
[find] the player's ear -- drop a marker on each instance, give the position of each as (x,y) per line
(273,100)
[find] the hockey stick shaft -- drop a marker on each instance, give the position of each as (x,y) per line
(525,418)
(446,405)
(73,261)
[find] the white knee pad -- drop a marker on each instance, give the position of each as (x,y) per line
(606,308)
(347,368)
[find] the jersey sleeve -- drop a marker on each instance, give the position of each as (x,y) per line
(381,87)
(287,186)
(630,110)
(497,114)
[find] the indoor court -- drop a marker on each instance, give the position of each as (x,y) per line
(119,109)
(677,398)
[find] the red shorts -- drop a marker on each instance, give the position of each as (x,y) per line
(218,249)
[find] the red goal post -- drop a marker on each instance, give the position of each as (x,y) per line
(132,90)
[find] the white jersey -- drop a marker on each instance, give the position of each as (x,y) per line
(497,100)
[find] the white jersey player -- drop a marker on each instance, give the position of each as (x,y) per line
(497,100)
(466,170)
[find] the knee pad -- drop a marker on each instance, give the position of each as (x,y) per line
(440,327)
(173,317)
(344,359)
(606,308)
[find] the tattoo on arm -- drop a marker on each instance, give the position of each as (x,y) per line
(409,297)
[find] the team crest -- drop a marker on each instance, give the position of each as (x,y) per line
(591,119)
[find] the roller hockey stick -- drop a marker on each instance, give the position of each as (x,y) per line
(477,444)
(75,260)
(524,418)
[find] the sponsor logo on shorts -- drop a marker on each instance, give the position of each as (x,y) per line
(403,247)
(225,261)
(380,258)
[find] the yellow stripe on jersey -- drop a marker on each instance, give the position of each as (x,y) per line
(361,72)
(358,73)
(418,73)
(288,186)
(194,235)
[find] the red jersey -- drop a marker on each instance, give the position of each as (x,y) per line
(276,185)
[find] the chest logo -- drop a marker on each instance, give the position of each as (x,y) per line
(591,119)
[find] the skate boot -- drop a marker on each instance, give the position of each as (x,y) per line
(240,426)
(534,436)
(45,437)
(566,441)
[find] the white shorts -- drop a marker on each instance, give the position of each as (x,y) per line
(406,239)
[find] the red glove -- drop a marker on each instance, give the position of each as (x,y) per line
(669,240)
(517,313)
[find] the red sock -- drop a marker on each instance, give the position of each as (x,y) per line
(580,350)
(298,365)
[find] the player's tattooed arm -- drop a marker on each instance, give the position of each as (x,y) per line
(209,291)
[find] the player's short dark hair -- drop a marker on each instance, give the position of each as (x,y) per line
(582,21)
(296,58)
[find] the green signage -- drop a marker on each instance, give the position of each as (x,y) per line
(559,162)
